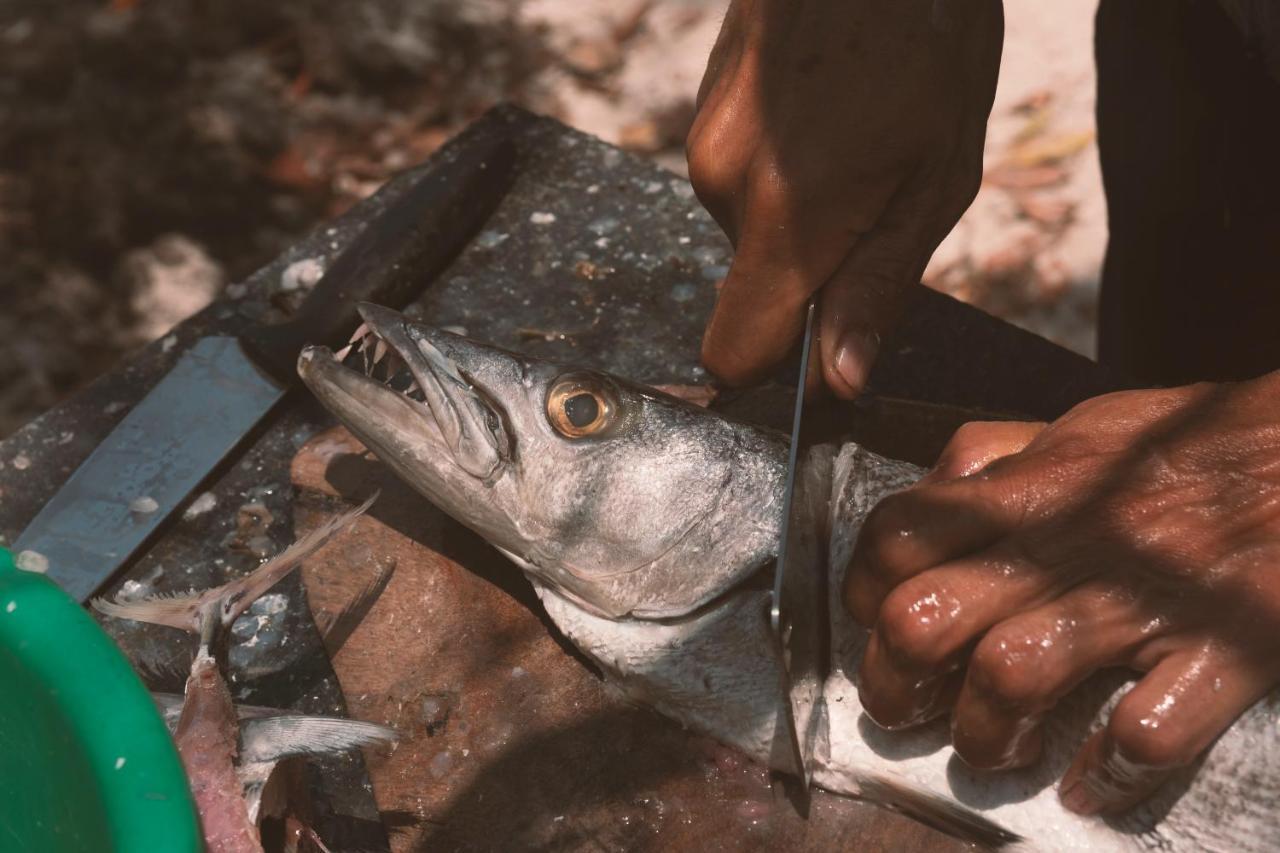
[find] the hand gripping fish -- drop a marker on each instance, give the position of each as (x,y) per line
(648,527)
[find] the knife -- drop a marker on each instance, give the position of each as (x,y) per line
(222,388)
(798,616)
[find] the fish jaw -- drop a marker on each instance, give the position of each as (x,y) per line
(453,464)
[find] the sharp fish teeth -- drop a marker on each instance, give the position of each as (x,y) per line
(343,353)
(359,333)
(379,350)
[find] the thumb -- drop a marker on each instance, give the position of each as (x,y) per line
(862,303)
(866,296)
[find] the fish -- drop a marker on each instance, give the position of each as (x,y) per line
(648,528)
(233,755)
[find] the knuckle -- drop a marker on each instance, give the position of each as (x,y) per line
(711,176)
(879,550)
(911,634)
(1007,668)
(1137,740)
(713,173)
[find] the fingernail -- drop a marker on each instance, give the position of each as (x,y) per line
(854,356)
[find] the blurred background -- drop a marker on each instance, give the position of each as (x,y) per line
(154,153)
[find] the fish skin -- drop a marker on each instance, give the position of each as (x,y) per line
(692,639)
(207,742)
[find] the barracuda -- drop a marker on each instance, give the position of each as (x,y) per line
(648,528)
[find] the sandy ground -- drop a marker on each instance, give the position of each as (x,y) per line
(189,143)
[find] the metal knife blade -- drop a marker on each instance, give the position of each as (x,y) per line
(223,387)
(798,615)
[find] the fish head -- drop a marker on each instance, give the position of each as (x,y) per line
(623,499)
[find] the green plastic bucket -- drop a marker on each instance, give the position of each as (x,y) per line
(85,761)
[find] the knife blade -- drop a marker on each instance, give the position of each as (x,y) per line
(798,615)
(223,388)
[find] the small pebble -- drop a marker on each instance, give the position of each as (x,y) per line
(542,217)
(603,225)
(144,505)
(683,292)
(22,462)
(33,561)
(200,506)
(490,239)
(301,275)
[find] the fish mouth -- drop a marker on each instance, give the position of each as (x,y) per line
(396,389)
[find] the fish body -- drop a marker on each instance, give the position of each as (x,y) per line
(648,528)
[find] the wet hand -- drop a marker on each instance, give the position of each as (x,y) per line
(836,142)
(1140,530)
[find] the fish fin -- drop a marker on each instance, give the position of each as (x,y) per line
(170,706)
(273,738)
(237,596)
(174,610)
(939,812)
(231,599)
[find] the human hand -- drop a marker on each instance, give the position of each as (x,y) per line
(1142,529)
(836,143)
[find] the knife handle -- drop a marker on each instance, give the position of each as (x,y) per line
(416,236)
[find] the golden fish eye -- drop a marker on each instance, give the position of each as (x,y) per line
(580,406)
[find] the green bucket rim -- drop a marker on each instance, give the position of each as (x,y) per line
(134,765)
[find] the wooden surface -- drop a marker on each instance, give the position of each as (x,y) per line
(510,741)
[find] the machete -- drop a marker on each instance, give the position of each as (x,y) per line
(222,388)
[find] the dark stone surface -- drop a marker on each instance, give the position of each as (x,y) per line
(596,257)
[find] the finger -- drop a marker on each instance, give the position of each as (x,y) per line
(895,697)
(977,444)
(1165,722)
(782,258)
(927,624)
(915,530)
(864,298)
(1023,666)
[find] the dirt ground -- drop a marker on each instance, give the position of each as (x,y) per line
(153,153)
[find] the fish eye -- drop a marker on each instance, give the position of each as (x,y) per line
(581,405)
